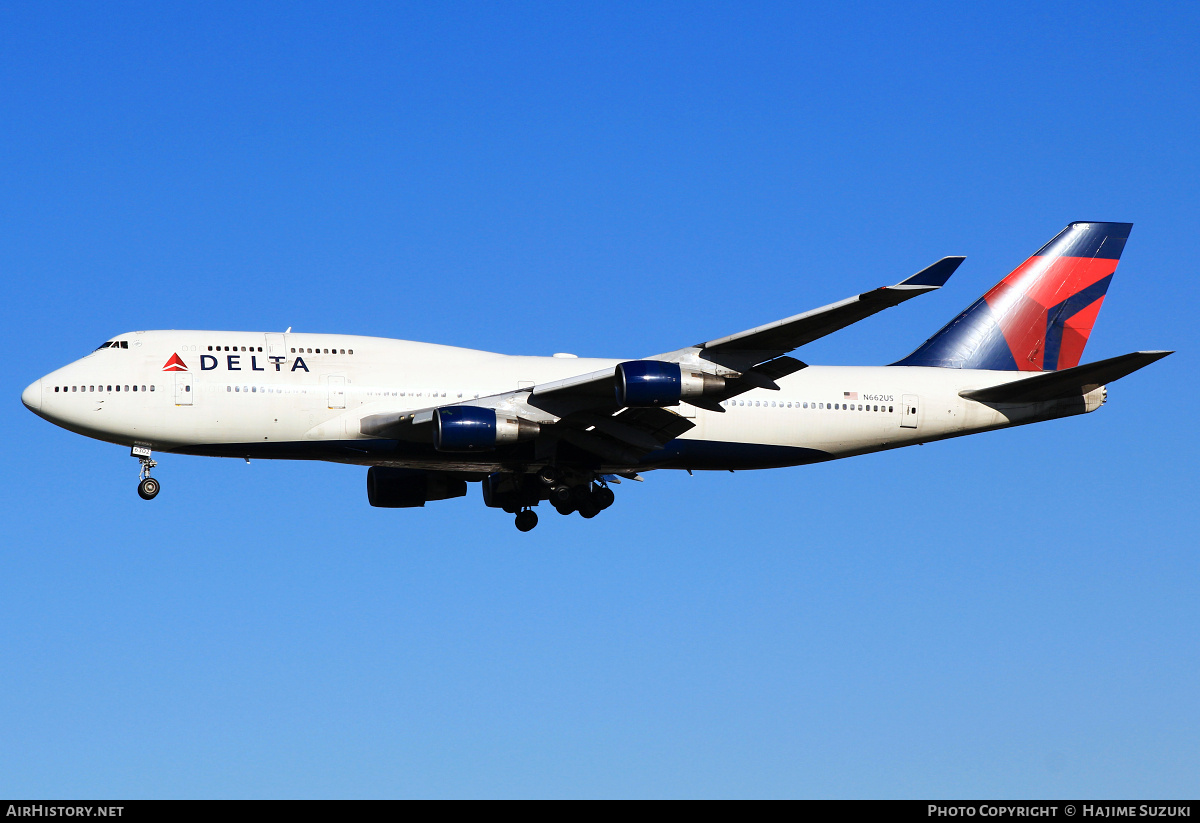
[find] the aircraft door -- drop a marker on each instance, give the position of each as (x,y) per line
(337,391)
(276,347)
(183,388)
(911,412)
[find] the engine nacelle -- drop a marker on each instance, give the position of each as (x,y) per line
(655,383)
(512,492)
(409,488)
(470,428)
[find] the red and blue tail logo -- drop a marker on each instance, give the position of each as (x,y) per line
(1040,316)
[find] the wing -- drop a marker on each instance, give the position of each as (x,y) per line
(753,346)
(754,358)
(619,414)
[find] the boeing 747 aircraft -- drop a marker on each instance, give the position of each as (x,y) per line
(429,419)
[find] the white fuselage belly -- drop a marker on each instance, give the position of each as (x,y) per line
(272,393)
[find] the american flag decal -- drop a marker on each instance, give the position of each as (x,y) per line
(850,395)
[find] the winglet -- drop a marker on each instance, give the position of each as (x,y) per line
(934,276)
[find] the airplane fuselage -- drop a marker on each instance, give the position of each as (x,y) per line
(303,396)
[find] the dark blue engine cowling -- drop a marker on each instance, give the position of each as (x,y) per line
(390,488)
(648,383)
(464,429)
(512,492)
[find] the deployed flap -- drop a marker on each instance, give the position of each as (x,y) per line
(663,425)
(625,437)
(773,339)
(762,376)
(646,429)
(1073,382)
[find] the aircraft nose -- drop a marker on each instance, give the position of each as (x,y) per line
(32,396)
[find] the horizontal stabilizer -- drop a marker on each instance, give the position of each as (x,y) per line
(1073,382)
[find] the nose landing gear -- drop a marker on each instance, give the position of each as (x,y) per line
(148,488)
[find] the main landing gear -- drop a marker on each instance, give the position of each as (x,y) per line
(586,498)
(526,520)
(583,495)
(567,490)
(148,487)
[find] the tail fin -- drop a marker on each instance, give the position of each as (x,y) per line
(1039,317)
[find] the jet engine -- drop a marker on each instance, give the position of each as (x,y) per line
(470,428)
(408,488)
(655,383)
(511,492)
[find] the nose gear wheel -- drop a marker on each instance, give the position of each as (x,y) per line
(148,487)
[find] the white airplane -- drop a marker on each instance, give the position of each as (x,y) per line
(427,419)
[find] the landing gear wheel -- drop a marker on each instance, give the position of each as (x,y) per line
(526,520)
(565,510)
(604,497)
(148,488)
(561,496)
(588,510)
(549,475)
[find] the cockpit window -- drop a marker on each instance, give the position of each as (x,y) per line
(114,344)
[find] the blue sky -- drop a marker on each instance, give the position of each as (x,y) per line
(1007,615)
